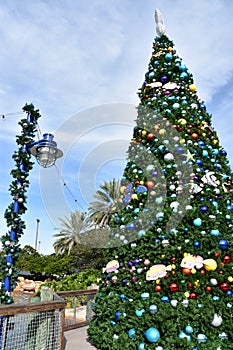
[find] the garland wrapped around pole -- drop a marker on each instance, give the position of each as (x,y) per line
(18,188)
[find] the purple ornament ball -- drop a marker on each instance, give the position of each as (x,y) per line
(164,79)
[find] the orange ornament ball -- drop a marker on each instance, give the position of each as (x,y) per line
(150,184)
(150,135)
(186,271)
(208,288)
(158,288)
(194,136)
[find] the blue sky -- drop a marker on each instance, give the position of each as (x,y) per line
(68,57)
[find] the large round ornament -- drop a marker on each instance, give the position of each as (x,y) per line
(152,335)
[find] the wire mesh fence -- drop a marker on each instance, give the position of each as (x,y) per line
(38,326)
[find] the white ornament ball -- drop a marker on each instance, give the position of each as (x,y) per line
(188,207)
(185,303)
(174,303)
(168,157)
(217,321)
(213,281)
(201,338)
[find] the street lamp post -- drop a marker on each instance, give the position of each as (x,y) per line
(37,233)
(46,153)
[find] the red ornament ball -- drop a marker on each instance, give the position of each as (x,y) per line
(226,259)
(193,295)
(173,287)
(224,286)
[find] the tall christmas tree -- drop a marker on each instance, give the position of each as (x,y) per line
(167,282)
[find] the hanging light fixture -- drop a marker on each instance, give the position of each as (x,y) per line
(45,151)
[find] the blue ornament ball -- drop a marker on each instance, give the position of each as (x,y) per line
(183,75)
(118,313)
(130,226)
(204,208)
(197,244)
(182,67)
(223,152)
(141,346)
(131,333)
(152,335)
(197,222)
(214,232)
(183,335)
(223,244)
(202,106)
(188,329)
(168,57)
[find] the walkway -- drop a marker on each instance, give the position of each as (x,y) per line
(76,339)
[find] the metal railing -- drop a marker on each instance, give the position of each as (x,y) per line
(76,301)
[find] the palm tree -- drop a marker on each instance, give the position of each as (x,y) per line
(70,231)
(100,211)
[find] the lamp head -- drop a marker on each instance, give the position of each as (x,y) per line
(45,151)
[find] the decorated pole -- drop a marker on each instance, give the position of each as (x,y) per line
(18,188)
(46,153)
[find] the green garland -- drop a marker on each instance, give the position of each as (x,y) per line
(18,188)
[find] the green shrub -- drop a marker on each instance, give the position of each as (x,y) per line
(80,280)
